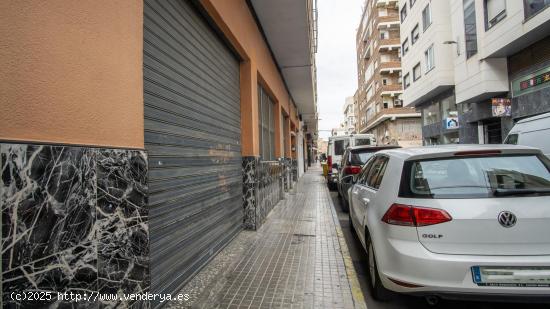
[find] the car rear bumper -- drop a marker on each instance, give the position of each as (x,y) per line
(409,262)
(493,297)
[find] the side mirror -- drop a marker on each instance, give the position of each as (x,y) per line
(354,179)
(349,179)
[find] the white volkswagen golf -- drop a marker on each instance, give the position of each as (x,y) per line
(455,221)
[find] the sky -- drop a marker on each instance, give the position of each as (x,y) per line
(336,59)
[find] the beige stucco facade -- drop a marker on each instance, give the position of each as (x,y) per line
(71,72)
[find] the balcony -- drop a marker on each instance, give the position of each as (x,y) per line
(389,44)
(388,22)
(390,113)
(390,90)
(367,52)
(390,67)
(385,3)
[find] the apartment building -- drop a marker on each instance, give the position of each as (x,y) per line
(380,108)
(349,115)
(137,138)
(502,65)
(473,68)
(428,69)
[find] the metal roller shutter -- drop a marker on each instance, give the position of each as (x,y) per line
(192,135)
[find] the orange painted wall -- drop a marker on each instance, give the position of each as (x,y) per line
(237,23)
(71,72)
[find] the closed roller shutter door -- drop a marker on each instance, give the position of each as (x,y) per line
(192,135)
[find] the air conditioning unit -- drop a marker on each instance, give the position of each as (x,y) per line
(398,103)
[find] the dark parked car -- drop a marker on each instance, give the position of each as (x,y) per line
(352,162)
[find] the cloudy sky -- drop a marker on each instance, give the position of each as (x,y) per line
(336,60)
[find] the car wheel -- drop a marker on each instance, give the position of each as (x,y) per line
(379,292)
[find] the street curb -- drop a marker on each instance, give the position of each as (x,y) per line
(356,292)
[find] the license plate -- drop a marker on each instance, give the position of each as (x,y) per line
(511,276)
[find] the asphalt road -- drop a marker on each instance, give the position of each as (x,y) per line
(402,301)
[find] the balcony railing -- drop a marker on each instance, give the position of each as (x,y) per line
(393,64)
(383,3)
(394,88)
(395,111)
(390,44)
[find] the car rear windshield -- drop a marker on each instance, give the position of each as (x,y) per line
(363,141)
(340,146)
(476,177)
(360,158)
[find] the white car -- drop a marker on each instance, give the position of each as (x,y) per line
(337,145)
(456,221)
(532,132)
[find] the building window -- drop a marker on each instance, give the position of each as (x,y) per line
(470,32)
(406,81)
(532,7)
(426,17)
(405,47)
(412,2)
(415,34)
(404,12)
(384,82)
(429,57)
(431,114)
(266,124)
(495,11)
(417,72)
(383,35)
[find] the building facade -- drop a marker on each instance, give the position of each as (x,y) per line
(379,94)
(138,138)
(502,67)
(428,70)
(349,115)
(475,67)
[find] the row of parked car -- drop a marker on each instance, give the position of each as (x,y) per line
(452,221)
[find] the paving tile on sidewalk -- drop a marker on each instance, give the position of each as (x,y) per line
(295,260)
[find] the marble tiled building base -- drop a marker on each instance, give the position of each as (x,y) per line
(264,185)
(74,219)
(262,189)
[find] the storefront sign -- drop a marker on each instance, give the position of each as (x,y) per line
(502,107)
(451,123)
(531,83)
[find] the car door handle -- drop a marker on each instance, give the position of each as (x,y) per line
(365,200)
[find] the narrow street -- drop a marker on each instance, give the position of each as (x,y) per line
(302,257)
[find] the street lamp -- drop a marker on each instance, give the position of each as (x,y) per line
(453,42)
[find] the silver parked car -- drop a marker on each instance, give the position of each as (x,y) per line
(467,220)
(352,162)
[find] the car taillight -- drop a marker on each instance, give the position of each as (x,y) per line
(352,169)
(329,161)
(407,215)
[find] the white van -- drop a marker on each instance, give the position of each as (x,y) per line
(337,145)
(533,131)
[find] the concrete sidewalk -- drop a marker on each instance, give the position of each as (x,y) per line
(297,259)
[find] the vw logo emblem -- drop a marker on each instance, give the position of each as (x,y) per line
(507,219)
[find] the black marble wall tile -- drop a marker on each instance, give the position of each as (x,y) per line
(72,218)
(250,191)
(270,188)
(262,188)
(122,223)
(47,197)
